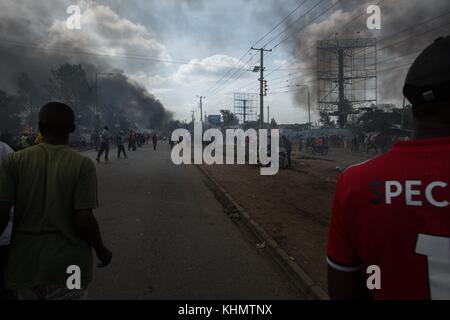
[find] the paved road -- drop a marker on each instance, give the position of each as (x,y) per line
(171,240)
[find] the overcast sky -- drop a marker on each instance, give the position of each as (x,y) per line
(178,49)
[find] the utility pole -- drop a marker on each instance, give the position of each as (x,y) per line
(268,115)
(201,107)
(262,92)
(97,122)
(403,113)
(309,104)
(193,115)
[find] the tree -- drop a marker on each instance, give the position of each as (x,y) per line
(229,118)
(68,83)
(408,118)
(10,110)
(273,123)
(29,97)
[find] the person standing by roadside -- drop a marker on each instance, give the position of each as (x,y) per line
(286,143)
(104,147)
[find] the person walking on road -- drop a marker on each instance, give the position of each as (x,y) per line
(53,190)
(155,141)
(287,144)
(104,146)
(132,141)
(120,142)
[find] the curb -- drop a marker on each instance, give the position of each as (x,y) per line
(298,275)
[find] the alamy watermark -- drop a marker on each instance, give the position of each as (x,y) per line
(73,22)
(373,282)
(258,147)
(74,279)
(374,20)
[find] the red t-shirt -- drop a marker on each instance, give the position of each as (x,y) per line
(394,212)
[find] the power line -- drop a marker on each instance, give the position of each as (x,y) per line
(291,24)
(217,85)
(284,30)
(68,50)
(280,23)
(350,21)
(224,84)
(292,34)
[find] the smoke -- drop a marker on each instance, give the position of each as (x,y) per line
(124,95)
(402,37)
(35,39)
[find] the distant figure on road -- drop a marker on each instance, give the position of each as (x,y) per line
(120,142)
(287,144)
(132,141)
(355,144)
(39,138)
(104,146)
(25,141)
(53,190)
(155,141)
(372,144)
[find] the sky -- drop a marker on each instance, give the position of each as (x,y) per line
(180,49)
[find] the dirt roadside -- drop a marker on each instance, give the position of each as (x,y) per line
(294,206)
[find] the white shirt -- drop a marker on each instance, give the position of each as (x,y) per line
(6,236)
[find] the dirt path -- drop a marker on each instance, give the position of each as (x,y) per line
(293,206)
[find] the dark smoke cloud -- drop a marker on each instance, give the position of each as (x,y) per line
(34,43)
(348,20)
(127,97)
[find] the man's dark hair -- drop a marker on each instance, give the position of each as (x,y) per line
(56,118)
(106,128)
(427,85)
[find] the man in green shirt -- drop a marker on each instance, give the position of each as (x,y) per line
(53,190)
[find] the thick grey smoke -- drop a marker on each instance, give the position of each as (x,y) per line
(34,42)
(347,20)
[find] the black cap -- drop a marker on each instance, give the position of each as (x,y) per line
(428,79)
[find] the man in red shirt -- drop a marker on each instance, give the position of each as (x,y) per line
(391,215)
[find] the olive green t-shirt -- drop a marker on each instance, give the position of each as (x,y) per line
(46,184)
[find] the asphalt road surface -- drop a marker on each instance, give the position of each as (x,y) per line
(171,239)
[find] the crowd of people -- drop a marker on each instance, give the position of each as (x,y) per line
(135,140)
(371,143)
(22,141)
(101,141)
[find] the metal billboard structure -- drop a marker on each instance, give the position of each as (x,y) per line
(246,106)
(347,76)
